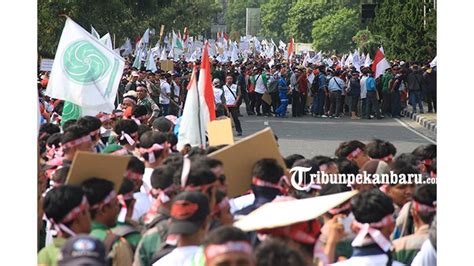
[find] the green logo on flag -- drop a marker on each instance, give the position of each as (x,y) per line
(84,63)
(70,111)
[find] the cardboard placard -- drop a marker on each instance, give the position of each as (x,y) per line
(267,98)
(46,64)
(283,213)
(166,65)
(220,132)
(89,164)
(238,159)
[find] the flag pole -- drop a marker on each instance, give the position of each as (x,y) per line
(199,116)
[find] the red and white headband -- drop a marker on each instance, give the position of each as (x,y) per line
(387,158)
(121,152)
(133,176)
(151,151)
(354,154)
(60,227)
(262,183)
(76,142)
(53,152)
(371,229)
(344,207)
(112,195)
(126,136)
(423,208)
(127,99)
(213,251)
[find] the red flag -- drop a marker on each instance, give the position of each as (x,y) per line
(290,49)
(205,83)
(185,32)
(380,64)
(226,37)
(218,35)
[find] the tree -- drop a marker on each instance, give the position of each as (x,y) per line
(274,14)
(335,31)
(303,13)
(401,26)
(122,18)
(367,42)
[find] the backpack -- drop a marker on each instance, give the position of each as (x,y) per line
(119,251)
(273,86)
(162,251)
(315,85)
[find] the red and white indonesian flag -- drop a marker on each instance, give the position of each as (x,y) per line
(290,49)
(199,108)
(380,64)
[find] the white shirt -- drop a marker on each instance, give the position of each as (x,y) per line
(165,88)
(142,205)
(179,256)
(259,85)
(426,255)
(229,97)
(373,260)
(363,88)
(146,178)
(217,94)
(237,204)
(176,90)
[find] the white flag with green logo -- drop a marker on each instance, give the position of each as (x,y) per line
(85,72)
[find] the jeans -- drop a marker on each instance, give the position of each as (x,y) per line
(415,99)
(164,108)
(363,107)
(295,106)
(235,116)
(318,103)
(386,102)
(252,102)
(354,103)
(281,110)
(335,99)
(275,100)
(373,103)
(396,103)
(302,103)
(258,102)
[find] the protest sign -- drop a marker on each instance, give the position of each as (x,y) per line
(238,159)
(88,164)
(283,213)
(220,132)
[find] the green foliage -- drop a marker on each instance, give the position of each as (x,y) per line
(401,26)
(367,42)
(302,15)
(274,14)
(124,18)
(335,31)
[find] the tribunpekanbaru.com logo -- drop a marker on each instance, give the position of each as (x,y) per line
(299,179)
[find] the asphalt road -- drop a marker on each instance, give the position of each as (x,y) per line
(311,136)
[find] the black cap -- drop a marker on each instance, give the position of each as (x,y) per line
(83,250)
(162,124)
(189,211)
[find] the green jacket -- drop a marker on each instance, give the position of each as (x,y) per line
(49,255)
(387,76)
(99,231)
(152,240)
